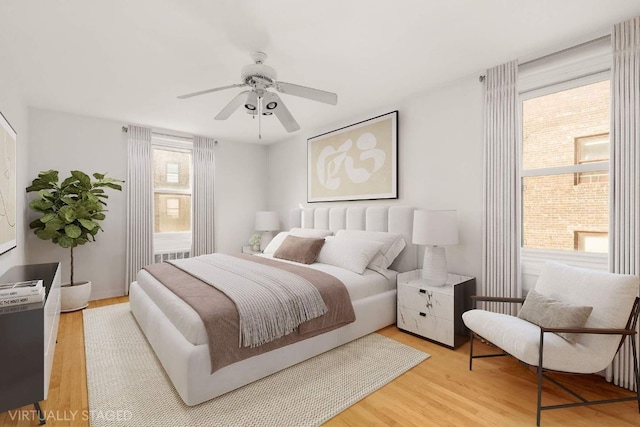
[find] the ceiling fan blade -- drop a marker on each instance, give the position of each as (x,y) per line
(307,92)
(202,92)
(232,106)
(281,111)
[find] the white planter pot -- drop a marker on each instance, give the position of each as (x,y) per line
(74,297)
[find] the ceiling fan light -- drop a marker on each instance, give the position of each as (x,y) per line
(251,104)
(267,113)
(272,105)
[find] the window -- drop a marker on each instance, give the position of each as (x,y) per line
(591,149)
(173,208)
(565,170)
(588,241)
(173,173)
(171,199)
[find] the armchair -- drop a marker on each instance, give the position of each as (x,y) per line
(613,318)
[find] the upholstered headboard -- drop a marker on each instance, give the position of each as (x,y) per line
(396,219)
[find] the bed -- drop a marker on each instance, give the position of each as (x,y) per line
(177,336)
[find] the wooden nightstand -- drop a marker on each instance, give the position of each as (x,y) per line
(435,312)
(248,250)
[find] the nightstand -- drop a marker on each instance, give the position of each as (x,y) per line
(248,250)
(435,312)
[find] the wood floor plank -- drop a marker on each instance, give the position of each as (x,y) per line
(440,391)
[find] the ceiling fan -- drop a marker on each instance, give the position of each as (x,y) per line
(258,101)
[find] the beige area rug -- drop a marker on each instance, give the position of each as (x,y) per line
(128,386)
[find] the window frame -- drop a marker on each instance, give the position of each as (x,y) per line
(578,153)
(175,211)
(173,175)
(582,233)
(177,145)
(531,257)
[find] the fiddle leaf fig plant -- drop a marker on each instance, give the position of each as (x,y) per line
(70,210)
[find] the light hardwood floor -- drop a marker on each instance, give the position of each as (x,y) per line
(441,391)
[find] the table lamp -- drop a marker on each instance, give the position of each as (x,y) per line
(267,222)
(435,229)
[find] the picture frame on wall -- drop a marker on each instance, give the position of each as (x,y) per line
(8,184)
(356,162)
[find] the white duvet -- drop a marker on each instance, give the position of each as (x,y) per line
(187,321)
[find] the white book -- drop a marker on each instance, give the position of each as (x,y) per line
(15,289)
(23,299)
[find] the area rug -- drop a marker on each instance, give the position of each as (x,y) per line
(128,386)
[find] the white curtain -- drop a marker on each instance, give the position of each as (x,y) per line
(625,171)
(203,181)
(501,231)
(139,245)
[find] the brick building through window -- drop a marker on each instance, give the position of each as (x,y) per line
(565,176)
(171,199)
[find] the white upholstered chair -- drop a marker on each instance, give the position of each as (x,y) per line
(613,319)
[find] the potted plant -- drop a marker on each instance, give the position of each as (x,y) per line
(254,241)
(70,212)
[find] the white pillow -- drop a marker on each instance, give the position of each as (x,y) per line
(392,245)
(352,254)
(275,243)
(315,233)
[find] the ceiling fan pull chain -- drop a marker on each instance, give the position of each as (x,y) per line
(260,117)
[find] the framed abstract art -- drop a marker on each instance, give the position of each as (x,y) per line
(357,162)
(7,186)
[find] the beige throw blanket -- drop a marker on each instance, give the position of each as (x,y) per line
(271,302)
(220,315)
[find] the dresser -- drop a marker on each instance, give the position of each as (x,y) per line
(435,312)
(27,339)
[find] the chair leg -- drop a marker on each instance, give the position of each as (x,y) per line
(471,352)
(539,406)
(635,369)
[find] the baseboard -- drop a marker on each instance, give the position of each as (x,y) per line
(97,294)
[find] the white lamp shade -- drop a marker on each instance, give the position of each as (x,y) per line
(435,228)
(267,221)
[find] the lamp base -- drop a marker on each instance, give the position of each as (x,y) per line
(434,266)
(265,238)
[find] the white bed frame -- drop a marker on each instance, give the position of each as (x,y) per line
(189,367)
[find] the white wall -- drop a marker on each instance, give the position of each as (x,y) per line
(65,142)
(241,190)
(440,163)
(15,111)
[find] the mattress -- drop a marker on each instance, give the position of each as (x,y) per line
(187,321)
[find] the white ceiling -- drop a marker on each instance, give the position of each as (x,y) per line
(128,59)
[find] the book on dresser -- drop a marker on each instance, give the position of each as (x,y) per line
(21,293)
(27,287)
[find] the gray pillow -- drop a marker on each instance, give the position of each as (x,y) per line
(304,250)
(551,313)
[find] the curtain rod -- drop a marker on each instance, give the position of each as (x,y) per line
(559,52)
(593,41)
(187,138)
